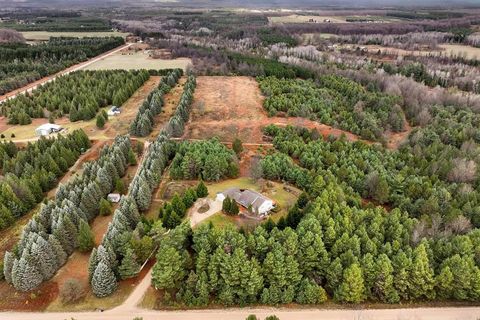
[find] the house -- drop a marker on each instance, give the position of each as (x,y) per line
(113,197)
(113,111)
(47,128)
(249,199)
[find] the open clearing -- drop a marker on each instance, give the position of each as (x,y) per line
(45,35)
(295,18)
(447,50)
(131,60)
(229,107)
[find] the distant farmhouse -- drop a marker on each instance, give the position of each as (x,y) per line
(249,199)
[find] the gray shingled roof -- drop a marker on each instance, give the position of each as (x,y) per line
(246,198)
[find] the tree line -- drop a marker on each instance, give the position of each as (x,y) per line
(420,184)
(152,105)
(52,234)
(336,101)
(31,171)
(79,94)
(129,239)
(21,63)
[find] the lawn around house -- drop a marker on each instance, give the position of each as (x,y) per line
(283,198)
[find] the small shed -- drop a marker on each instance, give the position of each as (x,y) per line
(114,197)
(47,128)
(113,111)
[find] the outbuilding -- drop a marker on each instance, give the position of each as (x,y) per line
(47,128)
(114,197)
(113,111)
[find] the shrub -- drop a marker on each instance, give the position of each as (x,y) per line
(71,291)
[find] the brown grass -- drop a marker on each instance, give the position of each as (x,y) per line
(230,107)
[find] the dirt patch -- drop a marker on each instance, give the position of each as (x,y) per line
(37,300)
(396,139)
(229,107)
(120,124)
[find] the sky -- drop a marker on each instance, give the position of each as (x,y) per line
(259,3)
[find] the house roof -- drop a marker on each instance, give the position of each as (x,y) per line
(49,126)
(246,198)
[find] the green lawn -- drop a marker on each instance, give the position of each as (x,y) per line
(276,191)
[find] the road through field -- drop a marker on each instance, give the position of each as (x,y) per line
(34,85)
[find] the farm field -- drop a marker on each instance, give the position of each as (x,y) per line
(295,18)
(446,50)
(137,60)
(45,35)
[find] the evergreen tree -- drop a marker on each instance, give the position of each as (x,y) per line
(100,121)
(86,240)
(421,275)
(169,270)
(237,146)
(202,190)
(352,288)
(103,281)
(105,207)
(129,267)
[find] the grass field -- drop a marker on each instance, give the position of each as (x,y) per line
(295,18)
(45,35)
(445,50)
(137,60)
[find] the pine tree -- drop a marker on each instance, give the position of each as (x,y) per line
(132,160)
(444,283)
(144,196)
(421,275)
(100,122)
(226,205)
(86,240)
(202,190)
(105,207)
(103,282)
(92,264)
(129,267)
(352,288)
(237,146)
(60,254)
(169,270)
(383,284)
